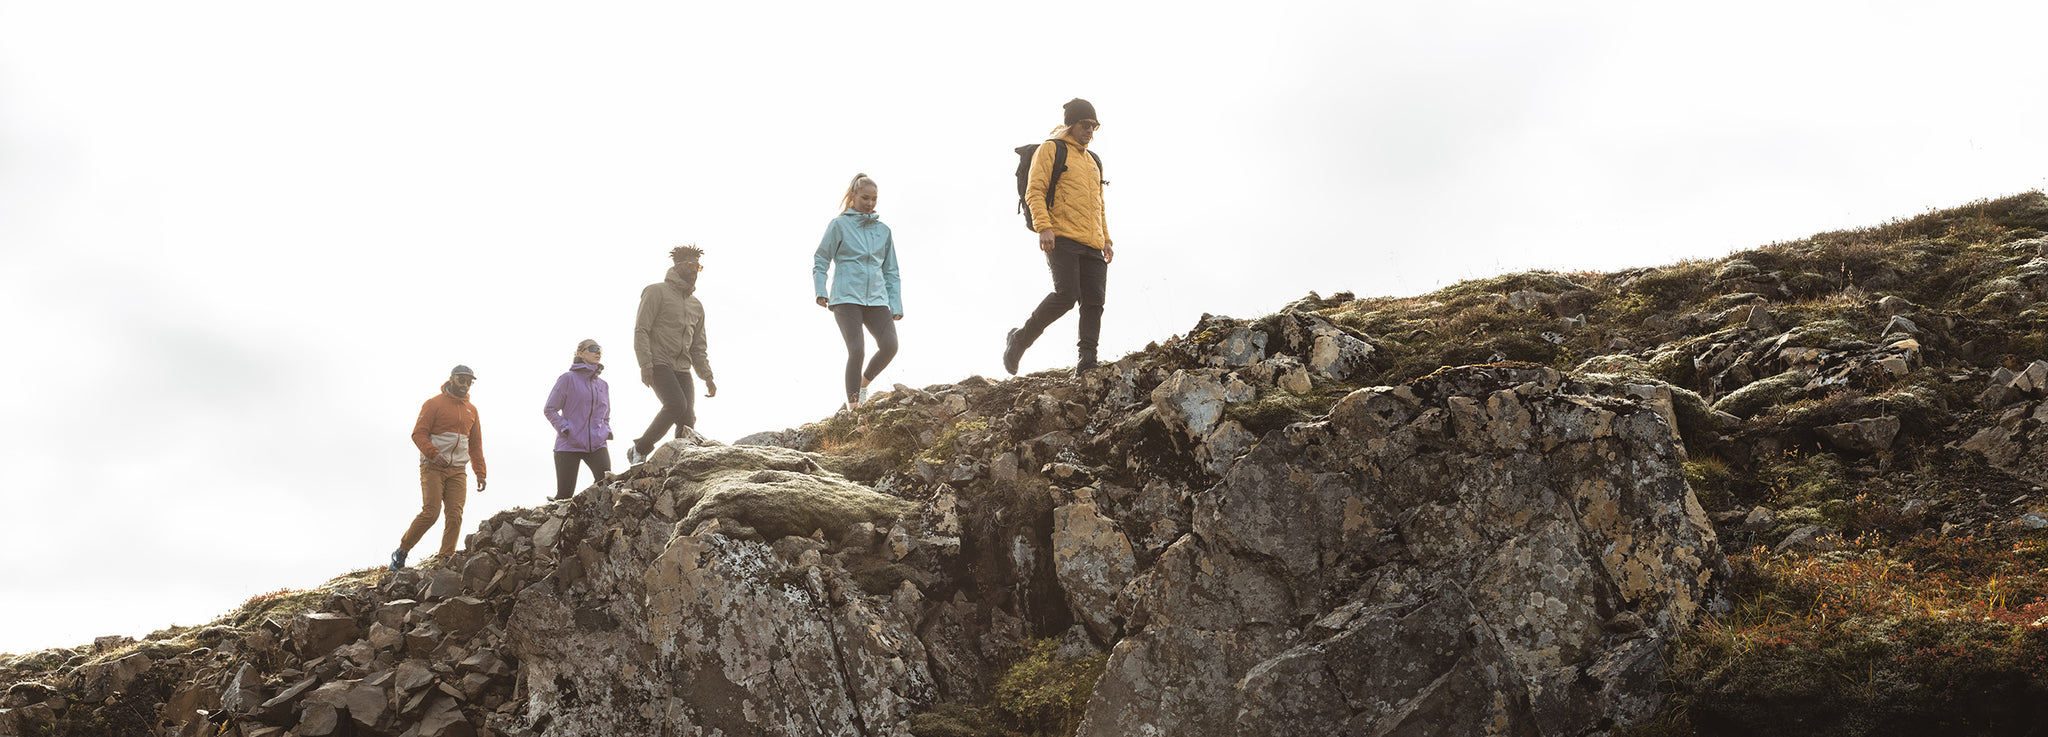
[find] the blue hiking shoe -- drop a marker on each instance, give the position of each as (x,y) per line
(398,560)
(634,456)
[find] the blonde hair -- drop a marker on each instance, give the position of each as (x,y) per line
(580,345)
(859,181)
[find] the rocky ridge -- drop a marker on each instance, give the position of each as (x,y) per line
(1303,523)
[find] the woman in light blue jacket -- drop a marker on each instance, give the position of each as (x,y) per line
(866,290)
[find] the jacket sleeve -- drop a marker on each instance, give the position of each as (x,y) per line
(422,430)
(700,354)
(643,326)
(821,261)
(476,443)
(891,275)
(556,399)
(1034,188)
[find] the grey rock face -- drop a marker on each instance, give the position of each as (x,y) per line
(1439,558)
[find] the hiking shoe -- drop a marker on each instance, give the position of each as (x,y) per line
(634,456)
(863,396)
(1011,353)
(398,559)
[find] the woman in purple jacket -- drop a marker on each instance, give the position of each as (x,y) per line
(580,408)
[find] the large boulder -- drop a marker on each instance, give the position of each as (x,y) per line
(1450,557)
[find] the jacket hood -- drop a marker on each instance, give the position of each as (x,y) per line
(685,284)
(589,368)
(863,218)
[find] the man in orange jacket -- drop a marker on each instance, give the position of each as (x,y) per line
(448,435)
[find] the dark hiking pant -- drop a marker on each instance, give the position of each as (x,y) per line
(599,461)
(678,395)
(880,324)
(1078,275)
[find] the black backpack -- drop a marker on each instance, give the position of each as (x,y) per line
(1052,184)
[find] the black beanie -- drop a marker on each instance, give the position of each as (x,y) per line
(1079,110)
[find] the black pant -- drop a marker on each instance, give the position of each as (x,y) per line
(678,395)
(599,461)
(1078,275)
(882,325)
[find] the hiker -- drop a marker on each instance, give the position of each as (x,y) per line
(866,290)
(1066,210)
(448,435)
(580,408)
(668,338)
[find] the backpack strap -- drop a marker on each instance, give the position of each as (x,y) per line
(1059,166)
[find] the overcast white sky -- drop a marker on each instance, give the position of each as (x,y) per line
(241,242)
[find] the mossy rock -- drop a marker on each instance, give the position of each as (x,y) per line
(779,502)
(1763,394)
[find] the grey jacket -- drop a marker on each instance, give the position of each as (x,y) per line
(669,330)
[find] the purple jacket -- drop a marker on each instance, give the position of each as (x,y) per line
(580,408)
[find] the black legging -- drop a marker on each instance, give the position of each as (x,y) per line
(599,461)
(882,325)
(678,395)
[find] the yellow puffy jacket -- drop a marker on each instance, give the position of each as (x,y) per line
(1077,207)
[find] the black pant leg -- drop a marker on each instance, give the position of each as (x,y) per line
(1094,284)
(565,473)
(674,390)
(1065,265)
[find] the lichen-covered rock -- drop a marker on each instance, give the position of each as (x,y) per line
(1095,562)
(1439,558)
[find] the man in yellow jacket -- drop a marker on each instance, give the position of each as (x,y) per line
(1072,232)
(448,435)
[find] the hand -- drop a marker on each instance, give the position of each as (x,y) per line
(899,317)
(564,432)
(1108,253)
(479,484)
(647,376)
(440,460)
(710,388)
(1045,240)
(607,436)
(821,302)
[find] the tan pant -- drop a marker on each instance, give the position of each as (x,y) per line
(439,487)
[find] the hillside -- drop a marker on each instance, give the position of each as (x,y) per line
(1793,491)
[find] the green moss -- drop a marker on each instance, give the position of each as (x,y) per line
(1709,478)
(954,720)
(1044,695)
(1761,395)
(946,445)
(1278,409)
(1808,479)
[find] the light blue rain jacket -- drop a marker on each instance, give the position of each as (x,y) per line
(864,253)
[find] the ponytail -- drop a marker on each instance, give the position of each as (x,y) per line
(859,181)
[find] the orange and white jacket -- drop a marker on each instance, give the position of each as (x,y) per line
(448,427)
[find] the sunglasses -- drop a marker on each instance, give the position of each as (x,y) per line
(592,348)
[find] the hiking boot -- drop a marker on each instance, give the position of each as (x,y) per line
(634,456)
(863,396)
(398,559)
(1012,353)
(1084,366)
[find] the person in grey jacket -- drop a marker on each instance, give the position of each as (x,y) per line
(867,290)
(668,340)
